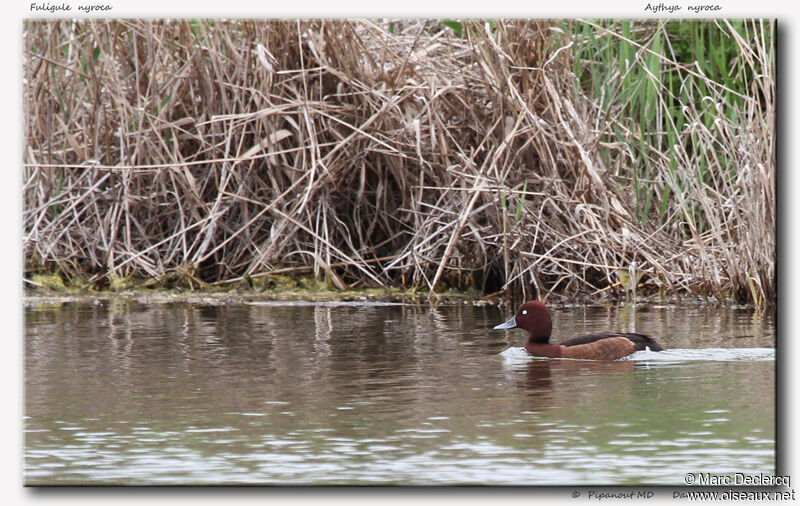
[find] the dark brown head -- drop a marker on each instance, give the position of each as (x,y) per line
(534,317)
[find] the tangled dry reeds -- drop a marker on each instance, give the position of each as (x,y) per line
(388,153)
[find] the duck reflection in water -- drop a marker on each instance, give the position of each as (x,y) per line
(551,381)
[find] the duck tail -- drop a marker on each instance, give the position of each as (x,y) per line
(644,342)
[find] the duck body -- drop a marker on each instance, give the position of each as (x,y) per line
(534,317)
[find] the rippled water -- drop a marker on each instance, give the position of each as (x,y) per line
(146,392)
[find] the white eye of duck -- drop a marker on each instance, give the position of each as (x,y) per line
(524,311)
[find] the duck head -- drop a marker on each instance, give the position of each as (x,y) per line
(534,317)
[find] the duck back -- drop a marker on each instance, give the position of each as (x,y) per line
(641,341)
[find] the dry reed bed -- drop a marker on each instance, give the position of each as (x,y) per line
(213,151)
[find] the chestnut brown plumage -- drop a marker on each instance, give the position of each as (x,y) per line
(534,317)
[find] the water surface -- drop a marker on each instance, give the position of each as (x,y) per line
(147,392)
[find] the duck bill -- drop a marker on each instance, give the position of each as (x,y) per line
(510,324)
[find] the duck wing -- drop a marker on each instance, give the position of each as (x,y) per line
(610,348)
(640,340)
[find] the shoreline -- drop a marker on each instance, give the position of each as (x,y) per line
(392,296)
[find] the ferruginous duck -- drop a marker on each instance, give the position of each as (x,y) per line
(534,317)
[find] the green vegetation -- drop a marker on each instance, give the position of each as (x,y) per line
(583,158)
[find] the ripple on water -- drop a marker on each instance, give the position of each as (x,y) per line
(706,354)
(391,395)
(516,355)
